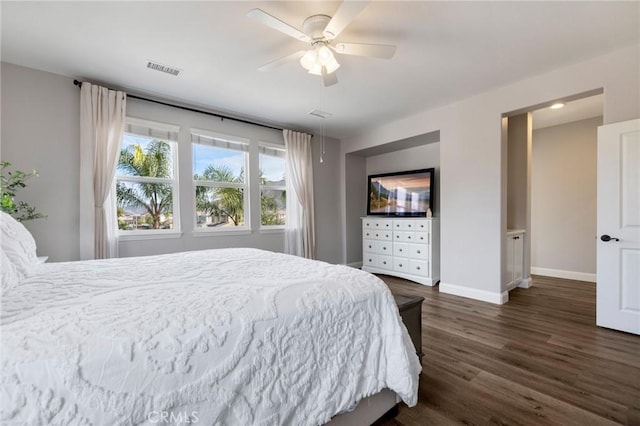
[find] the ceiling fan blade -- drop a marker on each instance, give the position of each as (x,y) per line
(273,22)
(289,58)
(382,51)
(347,11)
(329,79)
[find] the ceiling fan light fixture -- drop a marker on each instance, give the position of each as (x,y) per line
(316,69)
(309,59)
(320,56)
(324,55)
(332,66)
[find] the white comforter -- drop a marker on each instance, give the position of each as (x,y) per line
(231,337)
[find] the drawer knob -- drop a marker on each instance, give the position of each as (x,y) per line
(377,224)
(384,262)
(384,248)
(418,268)
(400,250)
(401,265)
(377,235)
(409,237)
(418,251)
(369,246)
(370,260)
(409,225)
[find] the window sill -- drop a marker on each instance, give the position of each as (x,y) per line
(272,230)
(149,235)
(220,232)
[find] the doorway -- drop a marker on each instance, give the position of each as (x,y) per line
(563,189)
(550,187)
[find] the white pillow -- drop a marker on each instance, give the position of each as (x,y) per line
(17,244)
(10,275)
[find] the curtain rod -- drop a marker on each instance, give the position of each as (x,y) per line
(220,116)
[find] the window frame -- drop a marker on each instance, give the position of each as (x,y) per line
(272,228)
(246,186)
(176,231)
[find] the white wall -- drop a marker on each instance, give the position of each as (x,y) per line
(473,198)
(40,129)
(563,199)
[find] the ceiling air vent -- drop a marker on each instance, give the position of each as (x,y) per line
(321,114)
(163,68)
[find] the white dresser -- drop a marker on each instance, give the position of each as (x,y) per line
(403,247)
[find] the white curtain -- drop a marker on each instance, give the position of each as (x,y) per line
(102,119)
(300,238)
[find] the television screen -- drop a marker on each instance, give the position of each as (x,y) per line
(408,193)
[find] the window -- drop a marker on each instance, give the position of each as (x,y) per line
(146,178)
(220,181)
(273,188)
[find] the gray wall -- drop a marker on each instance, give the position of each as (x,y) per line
(356,205)
(327,193)
(518,172)
(563,197)
(40,129)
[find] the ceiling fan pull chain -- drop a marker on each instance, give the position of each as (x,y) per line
(322,89)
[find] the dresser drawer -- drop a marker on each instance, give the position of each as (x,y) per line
(404,225)
(370,246)
(378,224)
(400,249)
(385,248)
(373,234)
(377,261)
(404,236)
(418,251)
(401,264)
(385,262)
(419,267)
(422,226)
(422,237)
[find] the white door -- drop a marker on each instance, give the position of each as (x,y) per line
(618,224)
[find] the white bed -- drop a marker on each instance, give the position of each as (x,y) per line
(230,337)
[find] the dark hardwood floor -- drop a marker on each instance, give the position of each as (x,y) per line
(537,360)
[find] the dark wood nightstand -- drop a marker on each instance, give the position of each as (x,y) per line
(410,308)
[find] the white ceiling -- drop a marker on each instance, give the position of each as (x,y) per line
(580,109)
(446,51)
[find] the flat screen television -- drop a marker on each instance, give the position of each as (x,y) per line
(409,193)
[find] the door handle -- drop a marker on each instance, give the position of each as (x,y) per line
(607,238)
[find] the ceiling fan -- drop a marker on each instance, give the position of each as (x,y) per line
(320,31)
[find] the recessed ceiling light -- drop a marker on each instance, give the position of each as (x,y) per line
(557,105)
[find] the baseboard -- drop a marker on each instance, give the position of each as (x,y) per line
(526,283)
(356,265)
(559,273)
(474,293)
